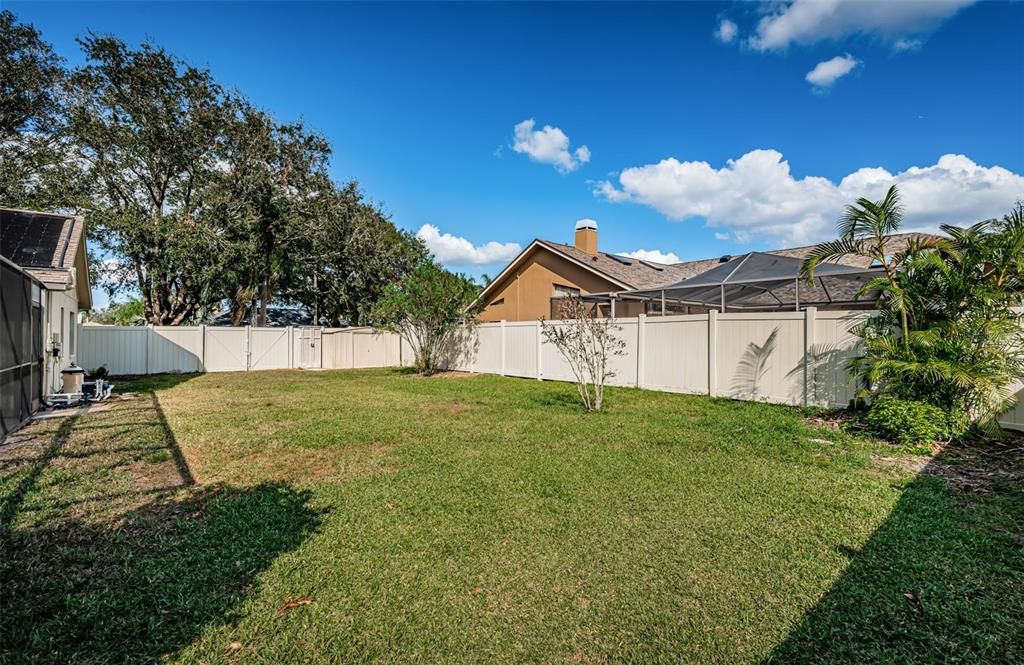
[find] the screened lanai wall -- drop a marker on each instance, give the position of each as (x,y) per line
(21,346)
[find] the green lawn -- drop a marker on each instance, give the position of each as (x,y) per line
(377,516)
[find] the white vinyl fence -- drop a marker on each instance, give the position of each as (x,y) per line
(782,357)
(354,348)
(164,349)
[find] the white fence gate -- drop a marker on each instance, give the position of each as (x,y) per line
(309,347)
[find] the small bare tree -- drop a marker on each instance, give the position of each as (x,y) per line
(588,344)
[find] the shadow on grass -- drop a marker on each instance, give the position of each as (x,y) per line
(110,551)
(941,580)
(138,590)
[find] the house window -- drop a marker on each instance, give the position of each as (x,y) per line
(71,333)
(60,323)
(565,291)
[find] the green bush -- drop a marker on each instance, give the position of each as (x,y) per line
(907,422)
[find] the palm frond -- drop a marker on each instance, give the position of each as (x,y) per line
(833,250)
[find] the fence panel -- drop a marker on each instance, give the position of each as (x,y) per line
(675,354)
(227,349)
(175,349)
(487,358)
(834,344)
(625,365)
(760,358)
(552,365)
(1014,418)
(269,348)
(521,349)
(373,348)
(337,348)
(121,350)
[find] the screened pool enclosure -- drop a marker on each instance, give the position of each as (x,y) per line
(756,282)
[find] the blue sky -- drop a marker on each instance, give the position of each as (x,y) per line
(706,132)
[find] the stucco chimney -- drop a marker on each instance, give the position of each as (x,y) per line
(586,236)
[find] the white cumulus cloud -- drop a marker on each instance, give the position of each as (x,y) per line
(549,145)
(811,21)
(454,250)
(828,72)
(727,31)
(907,44)
(653,255)
(756,195)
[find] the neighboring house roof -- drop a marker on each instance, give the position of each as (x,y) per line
(277,316)
(49,246)
(629,273)
(633,272)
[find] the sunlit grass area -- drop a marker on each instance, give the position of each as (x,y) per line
(378,516)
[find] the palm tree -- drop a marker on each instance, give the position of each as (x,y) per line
(964,350)
(864,231)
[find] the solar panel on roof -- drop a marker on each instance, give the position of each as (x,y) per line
(621,259)
(30,239)
(652,265)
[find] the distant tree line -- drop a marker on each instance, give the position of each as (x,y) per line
(195,199)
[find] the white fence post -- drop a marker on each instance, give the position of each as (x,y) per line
(810,316)
(248,348)
(503,347)
(291,347)
(540,340)
(149,343)
(202,333)
(640,327)
(713,352)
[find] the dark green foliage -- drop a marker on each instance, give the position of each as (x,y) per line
(194,198)
(946,332)
(36,165)
(128,313)
(907,422)
(348,255)
(430,308)
(100,372)
(146,123)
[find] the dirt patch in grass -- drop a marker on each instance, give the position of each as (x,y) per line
(312,465)
(980,467)
(449,374)
(445,409)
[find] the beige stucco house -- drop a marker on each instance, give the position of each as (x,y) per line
(530,286)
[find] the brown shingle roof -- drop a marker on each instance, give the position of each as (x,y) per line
(51,276)
(637,274)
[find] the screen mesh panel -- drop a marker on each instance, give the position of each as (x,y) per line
(21,362)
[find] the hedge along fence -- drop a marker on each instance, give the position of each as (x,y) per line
(164,349)
(794,358)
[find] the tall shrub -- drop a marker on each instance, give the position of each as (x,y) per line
(431,309)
